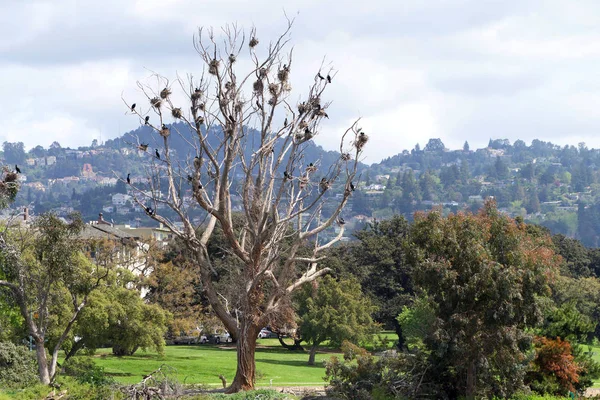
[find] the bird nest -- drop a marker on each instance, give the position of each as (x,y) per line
(361,140)
(324,184)
(176,113)
(302,182)
(346,157)
(213,67)
(166,92)
(196,95)
(156,102)
(283,74)
(165,132)
(273,89)
(311,168)
(199,120)
(258,86)
(302,108)
(253,42)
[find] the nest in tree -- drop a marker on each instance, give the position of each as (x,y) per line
(321,113)
(238,107)
(311,168)
(176,113)
(165,132)
(286,87)
(315,102)
(283,74)
(262,73)
(258,86)
(361,140)
(273,89)
(299,136)
(324,185)
(345,157)
(155,102)
(199,120)
(228,86)
(196,95)
(10,177)
(166,92)
(201,106)
(213,67)
(253,42)
(303,125)
(302,182)
(302,108)
(231,58)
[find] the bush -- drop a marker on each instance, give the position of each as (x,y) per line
(262,394)
(18,367)
(84,370)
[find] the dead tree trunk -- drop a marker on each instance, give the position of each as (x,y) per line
(245,373)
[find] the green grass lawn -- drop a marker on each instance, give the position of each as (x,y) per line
(202,364)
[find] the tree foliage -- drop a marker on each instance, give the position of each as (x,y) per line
(483,275)
(334,311)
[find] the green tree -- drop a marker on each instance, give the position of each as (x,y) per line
(483,275)
(334,311)
(44,270)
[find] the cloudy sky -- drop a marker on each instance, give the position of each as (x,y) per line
(456,69)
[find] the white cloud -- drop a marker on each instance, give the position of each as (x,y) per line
(459,70)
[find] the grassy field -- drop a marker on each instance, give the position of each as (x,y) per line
(202,364)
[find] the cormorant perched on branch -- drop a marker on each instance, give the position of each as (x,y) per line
(128,179)
(146,120)
(321,77)
(17,169)
(157,153)
(287,175)
(149,211)
(341,221)
(352,188)
(329,78)
(133,107)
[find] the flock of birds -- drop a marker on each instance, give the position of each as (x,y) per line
(324,184)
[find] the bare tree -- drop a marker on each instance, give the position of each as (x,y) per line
(248,141)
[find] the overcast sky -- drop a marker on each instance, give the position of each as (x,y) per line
(413,70)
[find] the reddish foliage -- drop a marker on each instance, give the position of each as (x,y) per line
(554,357)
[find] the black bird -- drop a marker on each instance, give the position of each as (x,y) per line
(128,179)
(149,211)
(352,188)
(321,77)
(307,131)
(157,153)
(328,78)
(232,119)
(190,178)
(287,175)
(164,127)
(133,107)
(285,123)
(258,104)
(17,169)
(146,120)
(143,147)
(341,221)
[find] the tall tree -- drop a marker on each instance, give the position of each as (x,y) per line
(483,275)
(14,153)
(44,268)
(247,147)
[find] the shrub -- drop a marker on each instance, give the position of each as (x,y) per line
(84,370)
(18,367)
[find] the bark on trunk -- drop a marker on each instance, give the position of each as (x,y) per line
(471,381)
(246,366)
(40,352)
(311,355)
